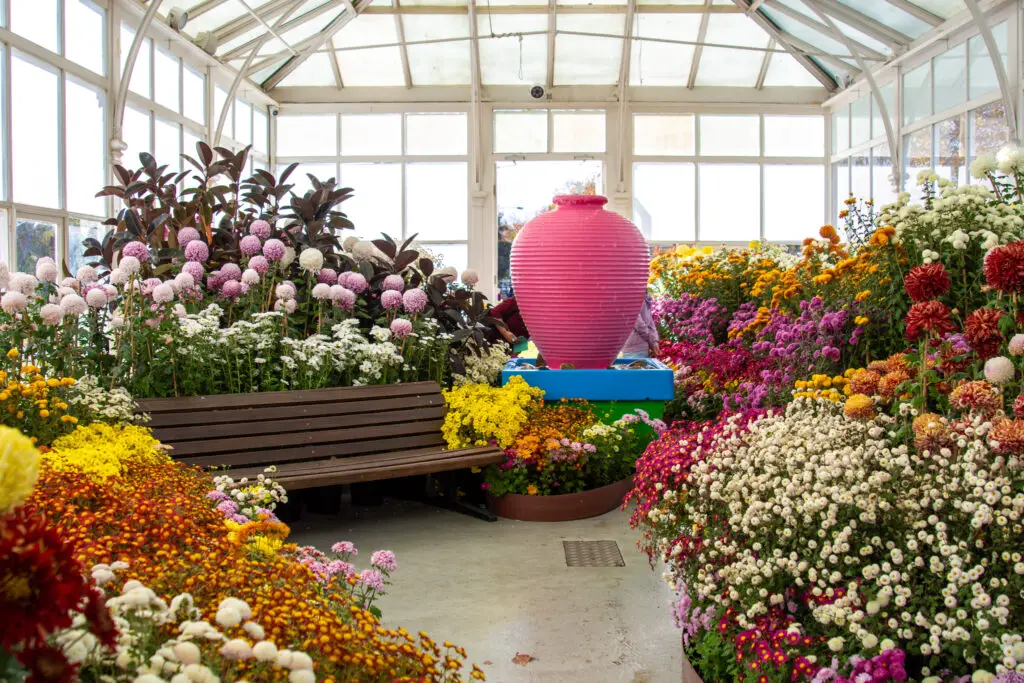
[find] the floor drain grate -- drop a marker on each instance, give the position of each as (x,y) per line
(592,554)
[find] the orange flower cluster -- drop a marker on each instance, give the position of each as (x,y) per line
(33,403)
(157,519)
(551,423)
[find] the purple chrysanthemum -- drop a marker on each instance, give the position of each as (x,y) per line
(273,249)
(139,250)
(186,235)
(327,276)
(197,251)
(260,229)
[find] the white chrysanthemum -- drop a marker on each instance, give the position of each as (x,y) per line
(96,298)
(163,293)
(470,277)
(130,265)
(51,314)
(46,270)
(999,370)
(187,653)
(311,260)
(251,627)
(288,258)
(983,165)
(363,250)
(302,676)
(24,283)
(300,660)
(13,302)
(184,281)
(118,276)
(241,605)
(72,304)
(250,277)
(236,649)
(265,651)
(350,242)
(321,291)
(86,274)
(228,617)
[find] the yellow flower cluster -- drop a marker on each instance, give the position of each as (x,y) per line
(263,538)
(101,451)
(19,468)
(33,403)
(823,386)
(478,413)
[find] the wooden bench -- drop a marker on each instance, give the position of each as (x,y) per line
(320,437)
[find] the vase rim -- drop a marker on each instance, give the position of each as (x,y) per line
(580,200)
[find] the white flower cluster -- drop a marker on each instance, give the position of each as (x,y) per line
(252,496)
(114,406)
(485,368)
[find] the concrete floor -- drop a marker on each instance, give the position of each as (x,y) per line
(501,589)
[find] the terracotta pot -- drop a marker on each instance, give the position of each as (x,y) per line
(561,508)
(580,274)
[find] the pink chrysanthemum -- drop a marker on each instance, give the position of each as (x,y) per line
(372,578)
(393,283)
(197,251)
(346,547)
(401,328)
(195,269)
(414,300)
(260,229)
(390,300)
(259,264)
(186,235)
(357,283)
(250,245)
(385,560)
(273,249)
(137,249)
(232,289)
(343,298)
(327,276)
(230,271)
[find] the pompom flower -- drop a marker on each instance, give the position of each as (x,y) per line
(259,264)
(24,283)
(999,370)
(859,407)
(982,331)
(136,249)
(470,277)
(51,314)
(390,300)
(327,276)
(86,274)
(357,283)
(321,291)
(163,293)
(13,302)
(285,291)
(394,283)
(401,328)
(46,269)
(1004,268)
(195,269)
(184,281)
(230,271)
(414,300)
(197,251)
(927,282)
(96,298)
(311,260)
(343,298)
(250,245)
(260,228)
(231,289)
(131,265)
(19,468)
(273,250)
(250,276)
(928,316)
(384,559)
(1016,347)
(289,256)
(72,304)
(186,235)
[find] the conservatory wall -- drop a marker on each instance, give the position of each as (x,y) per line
(946,109)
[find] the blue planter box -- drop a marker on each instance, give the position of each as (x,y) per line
(652,384)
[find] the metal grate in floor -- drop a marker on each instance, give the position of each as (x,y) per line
(592,554)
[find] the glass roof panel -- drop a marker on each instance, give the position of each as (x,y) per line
(895,18)
(856,34)
(509,60)
(805,33)
(307,28)
(316,70)
(368,29)
(588,60)
(665,64)
(592,2)
(724,66)
(667,26)
(241,39)
(440,63)
(372,66)
(943,8)
(434,26)
(446,3)
(735,29)
(264,73)
(783,69)
(215,17)
(691,3)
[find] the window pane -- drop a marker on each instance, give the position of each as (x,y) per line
(189,139)
(308,135)
(86,148)
(951,77)
(371,134)
(35,133)
(841,129)
(84,44)
(300,176)
(917,93)
(437,201)
(951,150)
(5,254)
(860,175)
(136,135)
(725,214)
(435,134)
(243,122)
(168,145)
(860,121)
(663,199)
(454,255)
(983,72)
(521,131)
(220,100)
(578,132)
(140,74)
(33,240)
(730,135)
(78,230)
(794,201)
(194,94)
(167,74)
(376,206)
(988,129)
(37,21)
(841,182)
(889,98)
(881,176)
(917,156)
(663,135)
(794,136)
(260,141)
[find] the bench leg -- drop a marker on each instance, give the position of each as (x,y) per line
(445,495)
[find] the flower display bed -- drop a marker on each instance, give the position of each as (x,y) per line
(560,508)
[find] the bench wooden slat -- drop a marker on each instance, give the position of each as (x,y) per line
(258,414)
(307,453)
(284,398)
(177,436)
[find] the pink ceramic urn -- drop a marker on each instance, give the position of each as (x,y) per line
(580,275)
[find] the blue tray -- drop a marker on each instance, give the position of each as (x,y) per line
(652,384)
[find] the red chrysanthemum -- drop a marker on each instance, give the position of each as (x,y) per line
(1018,407)
(1007,437)
(927,282)
(928,316)
(40,579)
(100,622)
(982,331)
(976,397)
(47,664)
(1004,268)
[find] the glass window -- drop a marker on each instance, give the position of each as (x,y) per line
(437,201)
(307,135)
(725,214)
(794,201)
(243,122)
(140,81)
(167,145)
(167,74)
(371,134)
(260,140)
(860,121)
(917,156)
(989,131)
(521,131)
(951,78)
(36,132)
(951,150)
(454,255)
(982,71)
(881,176)
(84,44)
(220,100)
(37,20)
(794,136)
(889,98)
(193,86)
(376,207)
(663,200)
(5,254)
(917,93)
(841,129)
(136,135)
(730,135)
(435,134)
(33,240)
(578,131)
(189,138)
(79,229)
(860,175)
(86,147)
(663,135)
(841,182)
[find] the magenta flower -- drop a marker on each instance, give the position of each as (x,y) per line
(260,228)
(273,249)
(195,269)
(372,578)
(343,298)
(414,300)
(390,300)
(139,250)
(259,264)
(357,283)
(197,251)
(250,245)
(186,235)
(401,328)
(217,495)
(394,283)
(232,289)
(385,560)
(327,276)
(227,507)
(347,547)
(230,271)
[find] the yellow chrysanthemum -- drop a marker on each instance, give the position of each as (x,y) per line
(19,468)
(101,451)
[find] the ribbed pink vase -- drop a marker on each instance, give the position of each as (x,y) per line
(580,274)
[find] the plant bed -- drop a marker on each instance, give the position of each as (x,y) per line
(560,508)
